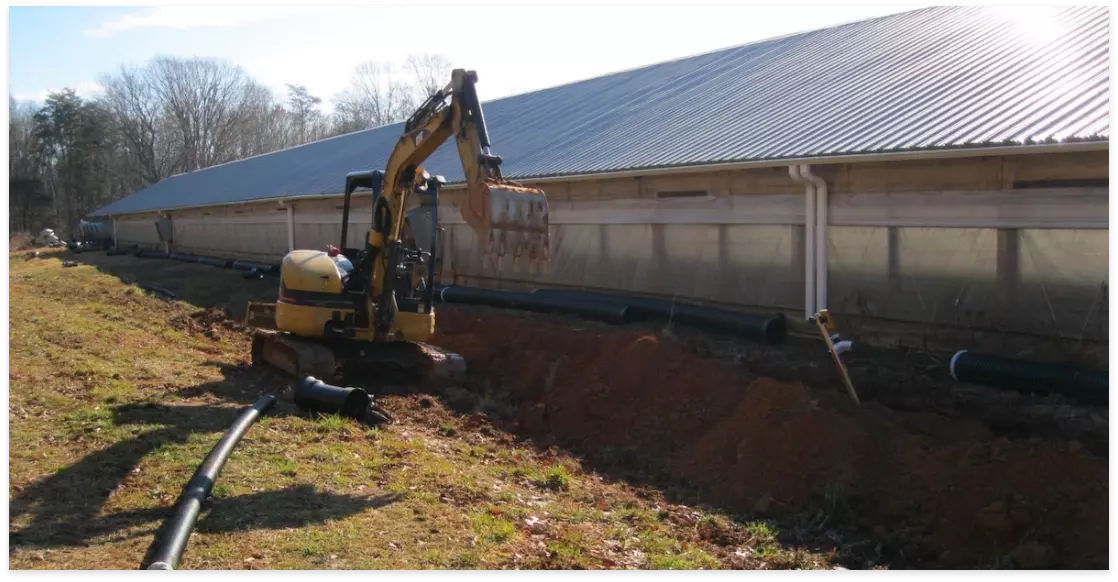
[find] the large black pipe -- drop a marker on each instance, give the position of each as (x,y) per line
(771,329)
(183,258)
(314,394)
(1087,386)
(152,254)
(216,262)
(224,263)
(167,549)
(587,309)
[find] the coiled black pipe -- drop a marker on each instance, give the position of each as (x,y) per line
(1087,386)
(771,329)
(587,309)
(167,549)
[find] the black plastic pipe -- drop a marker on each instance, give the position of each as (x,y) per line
(587,309)
(157,289)
(314,394)
(250,265)
(771,329)
(1087,386)
(216,262)
(152,254)
(183,258)
(168,547)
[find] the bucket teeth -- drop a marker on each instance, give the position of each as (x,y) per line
(517,225)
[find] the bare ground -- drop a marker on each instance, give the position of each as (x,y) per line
(572,445)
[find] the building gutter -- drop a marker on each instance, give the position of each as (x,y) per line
(915,155)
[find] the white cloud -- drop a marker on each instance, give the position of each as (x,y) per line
(84,90)
(184,17)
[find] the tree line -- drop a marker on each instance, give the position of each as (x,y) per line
(70,155)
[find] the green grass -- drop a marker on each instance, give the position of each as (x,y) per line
(554,478)
(114,401)
(493,529)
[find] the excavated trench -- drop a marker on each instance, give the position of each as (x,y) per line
(963,495)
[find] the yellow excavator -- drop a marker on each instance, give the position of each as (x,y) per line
(355,309)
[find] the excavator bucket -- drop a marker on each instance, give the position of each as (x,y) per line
(261,315)
(510,219)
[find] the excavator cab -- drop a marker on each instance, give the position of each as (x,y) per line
(413,273)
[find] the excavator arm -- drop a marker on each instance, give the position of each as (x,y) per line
(508,218)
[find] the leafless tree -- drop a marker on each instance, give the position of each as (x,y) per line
(138,118)
(22,141)
(430,72)
(210,100)
(264,127)
(374,98)
(69,155)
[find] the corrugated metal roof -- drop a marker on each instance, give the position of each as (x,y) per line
(933,78)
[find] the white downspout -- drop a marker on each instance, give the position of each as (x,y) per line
(822,237)
(809,239)
(290,227)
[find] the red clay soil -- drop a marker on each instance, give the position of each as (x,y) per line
(754,445)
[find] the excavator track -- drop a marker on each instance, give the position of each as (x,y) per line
(296,357)
(411,363)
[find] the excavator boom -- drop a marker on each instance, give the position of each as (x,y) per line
(375,302)
(508,218)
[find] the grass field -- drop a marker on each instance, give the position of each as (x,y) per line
(116,396)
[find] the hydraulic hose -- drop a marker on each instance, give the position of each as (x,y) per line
(167,549)
(1087,386)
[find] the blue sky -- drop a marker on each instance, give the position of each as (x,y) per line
(524,47)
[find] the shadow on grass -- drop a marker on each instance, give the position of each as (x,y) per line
(66,507)
(197,284)
(204,286)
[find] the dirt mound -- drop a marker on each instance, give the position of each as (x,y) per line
(209,321)
(20,242)
(753,444)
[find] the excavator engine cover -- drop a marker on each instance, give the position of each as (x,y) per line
(511,219)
